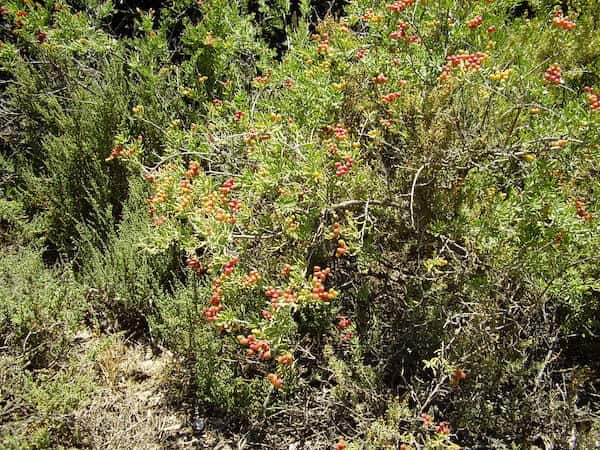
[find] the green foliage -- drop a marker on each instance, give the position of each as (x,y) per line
(427,152)
(40,308)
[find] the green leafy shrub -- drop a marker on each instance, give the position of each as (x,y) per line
(401,205)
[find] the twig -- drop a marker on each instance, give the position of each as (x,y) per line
(412,195)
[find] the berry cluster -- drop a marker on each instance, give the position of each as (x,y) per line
(42,36)
(193,169)
(400,5)
(286,359)
(260,81)
(194,264)
(253,136)
(361,53)
(443,428)
(341,444)
(324,43)
(341,249)
(475,22)
(581,211)
(370,16)
(400,32)
(380,79)
(343,323)
(467,61)
(563,22)
(342,168)
(502,75)
(216,307)
(553,74)
(318,291)
(336,231)
(277,295)
(593,98)
(275,380)
(227,187)
(251,278)
(119,150)
(286,270)
(229,266)
(388,98)
(340,133)
(161,181)
(457,376)
(211,201)
(256,347)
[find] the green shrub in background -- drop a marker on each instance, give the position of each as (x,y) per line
(41,309)
(425,151)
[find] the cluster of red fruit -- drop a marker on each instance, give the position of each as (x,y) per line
(251,279)
(118,150)
(229,266)
(252,136)
(400,5)
(553,74)
(277,295)
(193,169)
(238,115)
(342,168)
(227,187)
(42,36)
(195,265)
(380,79)
(593,98)
(19,19)
(324,43)
(343,323)
(458,376)
(286,270)
(262,80)
(361,53)
(210,201)
(563,22)
(581,211)
(336,230)
(341,444)
(275,380)
(318,291)
(216,307)
(441,428)
(468,61)
(285,360)
(392,96)
(256,347)
(475,22)
(340,133)
(400,32)
(161,180)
